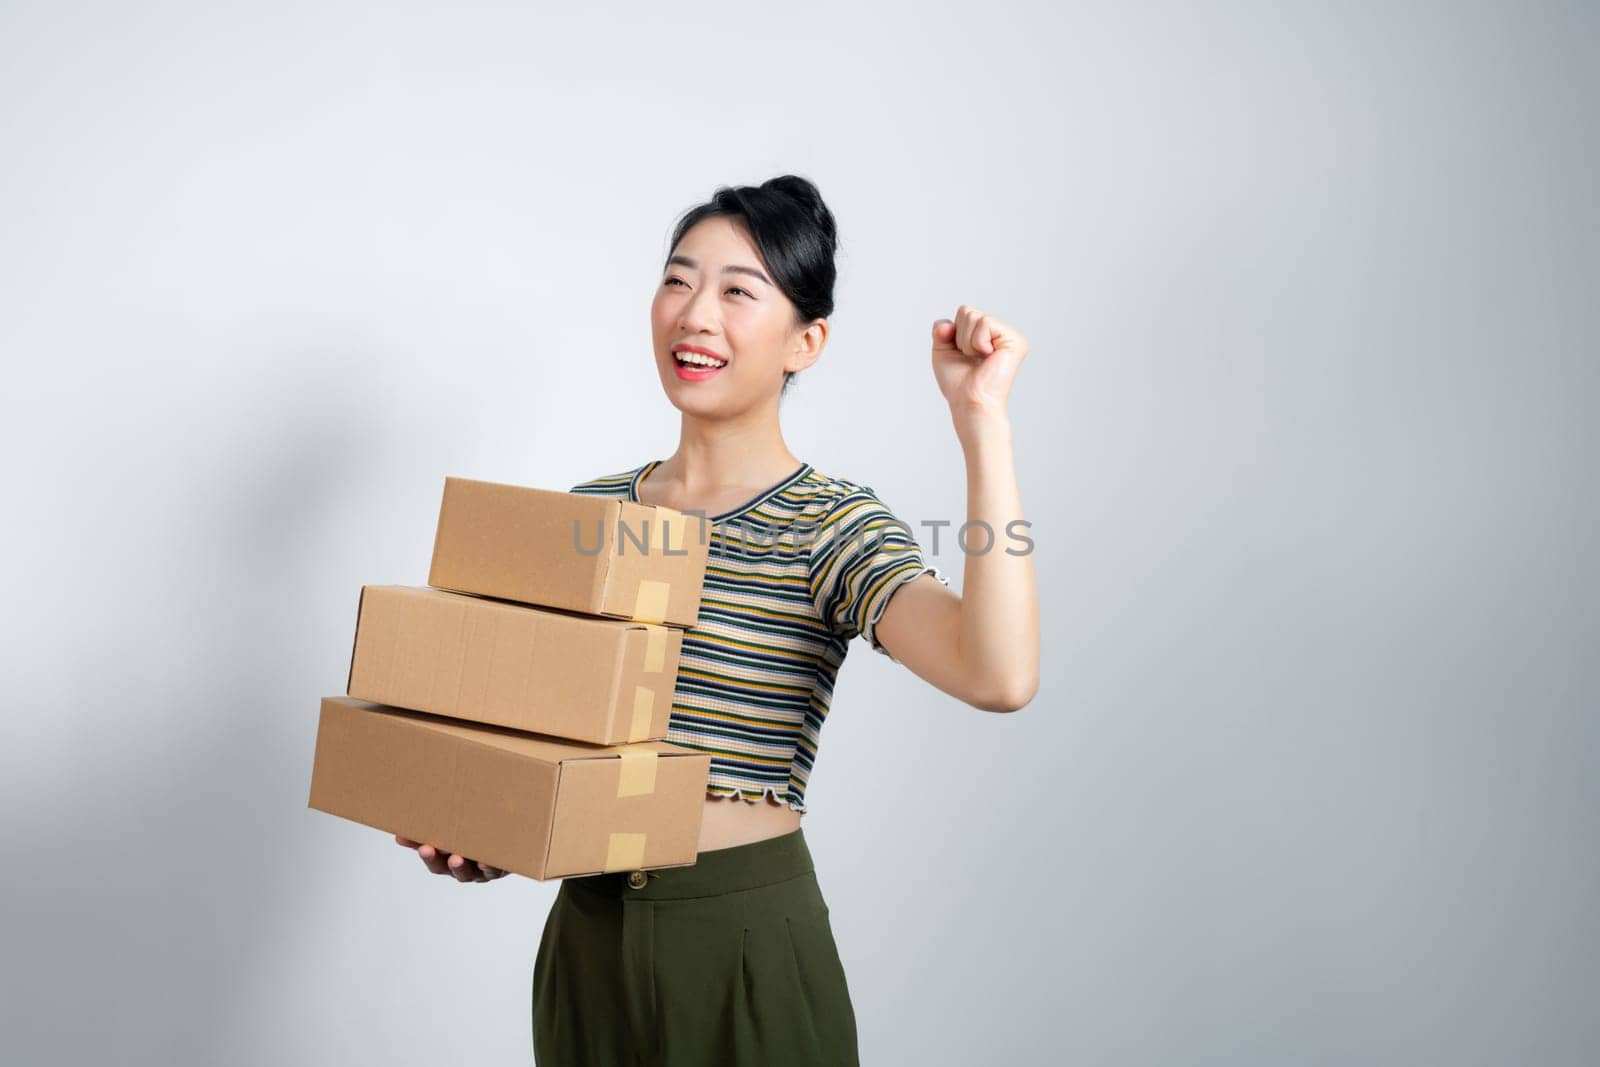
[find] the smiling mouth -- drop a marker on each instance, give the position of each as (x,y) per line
(698,360)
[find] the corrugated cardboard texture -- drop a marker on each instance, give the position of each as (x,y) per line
(541,807)
(584,678)
(589,810)
(580,553)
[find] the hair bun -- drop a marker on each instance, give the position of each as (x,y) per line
(795,186)
(805,193)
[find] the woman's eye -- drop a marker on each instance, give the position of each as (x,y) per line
(731,289)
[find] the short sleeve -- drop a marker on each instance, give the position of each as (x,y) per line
(860,555)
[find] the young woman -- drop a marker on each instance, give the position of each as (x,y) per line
(732,960)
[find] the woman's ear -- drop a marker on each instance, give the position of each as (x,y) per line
(808,346)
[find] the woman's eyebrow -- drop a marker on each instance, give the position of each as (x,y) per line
(685,261)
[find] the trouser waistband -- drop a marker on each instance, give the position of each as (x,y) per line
(722,870)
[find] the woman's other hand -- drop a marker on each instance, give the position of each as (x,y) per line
(975,360)
(461,868)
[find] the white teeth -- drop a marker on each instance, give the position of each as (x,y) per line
(696,357)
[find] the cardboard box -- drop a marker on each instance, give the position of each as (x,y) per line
(605,681)
(539,806)
(595,555)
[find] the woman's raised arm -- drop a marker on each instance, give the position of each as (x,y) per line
(981,645)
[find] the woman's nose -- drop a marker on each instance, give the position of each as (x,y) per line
(696,313)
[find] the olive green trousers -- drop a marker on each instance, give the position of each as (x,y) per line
(729,961)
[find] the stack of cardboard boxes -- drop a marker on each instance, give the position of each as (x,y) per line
(513,709)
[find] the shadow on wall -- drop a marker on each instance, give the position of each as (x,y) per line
(160,868)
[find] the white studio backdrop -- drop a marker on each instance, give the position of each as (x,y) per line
(1306,439)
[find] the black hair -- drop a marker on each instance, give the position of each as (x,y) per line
(794,232)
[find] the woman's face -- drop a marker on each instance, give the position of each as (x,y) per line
(716,295)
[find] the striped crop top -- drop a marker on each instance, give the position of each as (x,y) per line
(791,576)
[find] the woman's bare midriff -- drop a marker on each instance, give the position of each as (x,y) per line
(730,821)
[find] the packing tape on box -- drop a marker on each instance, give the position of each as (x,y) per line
(638,774)
(637,777)
(655,649)
(644,706)
(625,852)
(651,603)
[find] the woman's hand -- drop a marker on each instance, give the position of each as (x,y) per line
(463,869)
(975,360)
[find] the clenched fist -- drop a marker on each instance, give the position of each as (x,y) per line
(975,360)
